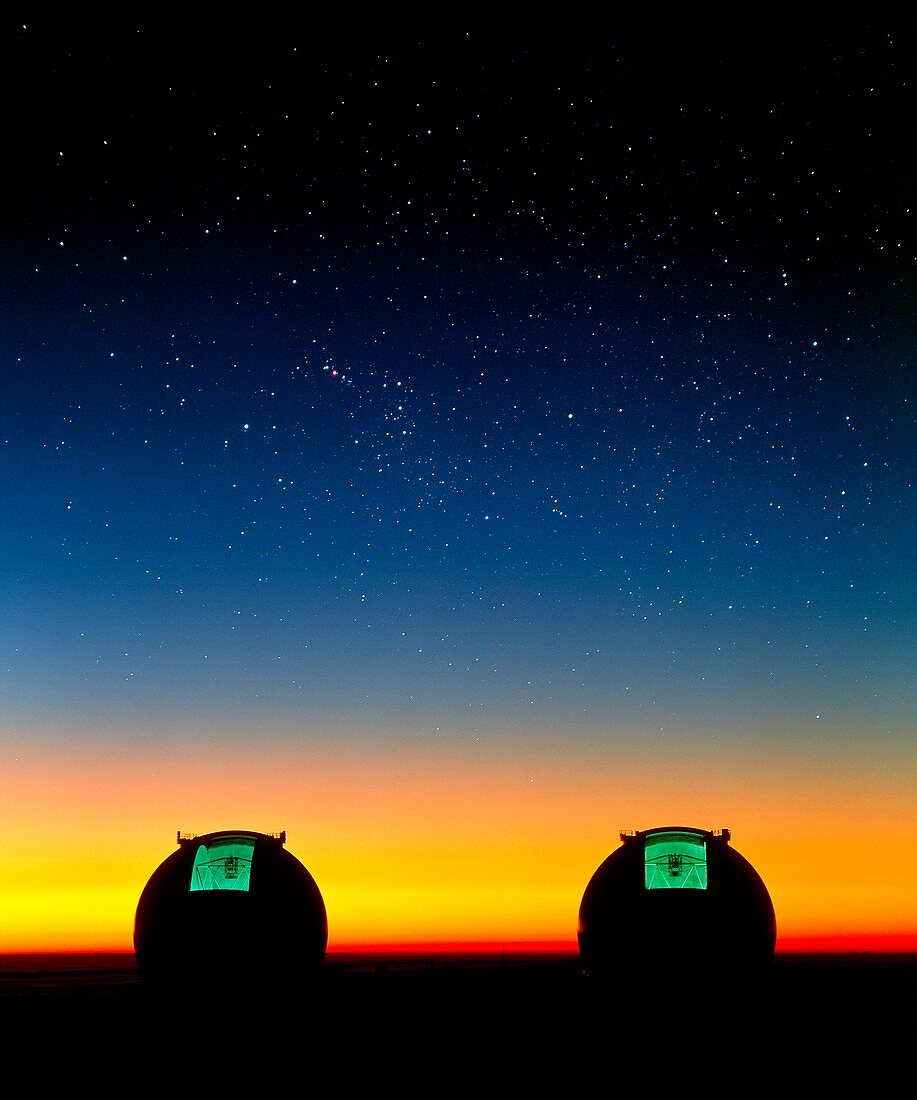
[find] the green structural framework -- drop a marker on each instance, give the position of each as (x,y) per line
(224,864)
(675,860)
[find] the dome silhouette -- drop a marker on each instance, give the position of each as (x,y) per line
(676,904)
(230,909)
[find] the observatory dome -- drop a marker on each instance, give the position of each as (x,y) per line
(676,900)
(227,909)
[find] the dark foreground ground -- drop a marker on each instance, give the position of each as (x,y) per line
(468,1025)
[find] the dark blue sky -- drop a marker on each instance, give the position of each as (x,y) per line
(454,382)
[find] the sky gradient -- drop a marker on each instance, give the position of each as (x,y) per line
(454,448)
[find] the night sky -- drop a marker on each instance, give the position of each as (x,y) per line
(416,393)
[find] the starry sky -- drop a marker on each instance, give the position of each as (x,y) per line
(454,445)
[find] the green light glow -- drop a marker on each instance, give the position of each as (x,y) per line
(225,865)
(675,861)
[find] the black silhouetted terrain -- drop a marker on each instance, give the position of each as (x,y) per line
(429,1026)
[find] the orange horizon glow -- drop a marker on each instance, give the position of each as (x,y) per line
(469,844)
(904,944)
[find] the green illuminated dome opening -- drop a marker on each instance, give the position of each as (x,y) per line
(224,864)
(675,861)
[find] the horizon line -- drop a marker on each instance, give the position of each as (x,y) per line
(834,943)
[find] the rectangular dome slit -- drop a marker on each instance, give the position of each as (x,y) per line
(225,865)
(675,861)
